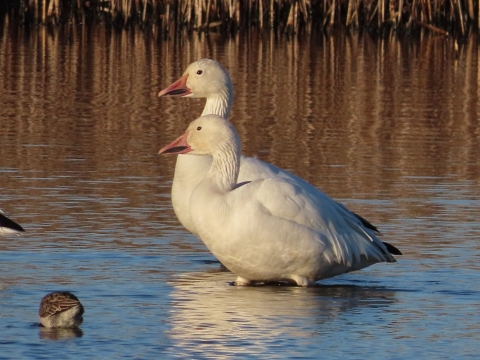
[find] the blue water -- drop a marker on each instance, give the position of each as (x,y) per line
(79,171)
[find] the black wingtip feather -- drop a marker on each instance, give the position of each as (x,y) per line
(6,222)
(366,223)
(392,249)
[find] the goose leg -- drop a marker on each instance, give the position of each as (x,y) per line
(241,281)
(303,281)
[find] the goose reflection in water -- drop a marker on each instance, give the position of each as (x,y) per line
(206,310)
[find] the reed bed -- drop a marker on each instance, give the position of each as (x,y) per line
(287,16)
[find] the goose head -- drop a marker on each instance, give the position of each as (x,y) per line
(207,135)
(205,78)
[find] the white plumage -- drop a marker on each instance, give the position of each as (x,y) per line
(277,228)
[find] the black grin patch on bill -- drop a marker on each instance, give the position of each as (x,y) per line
(175,149)
(176,92)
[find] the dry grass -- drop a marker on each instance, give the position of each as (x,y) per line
(287,16)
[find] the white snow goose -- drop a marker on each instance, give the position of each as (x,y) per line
(275,228)
(206,78)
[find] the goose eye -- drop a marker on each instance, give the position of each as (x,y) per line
(199,128)
(199,72)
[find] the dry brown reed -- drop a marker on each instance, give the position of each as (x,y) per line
(289,16)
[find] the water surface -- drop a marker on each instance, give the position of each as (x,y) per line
(388,127)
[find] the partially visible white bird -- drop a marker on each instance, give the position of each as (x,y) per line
(8,226)
(275,228)
(61,309)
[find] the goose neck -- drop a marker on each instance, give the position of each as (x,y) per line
(225,167)
(219,104)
